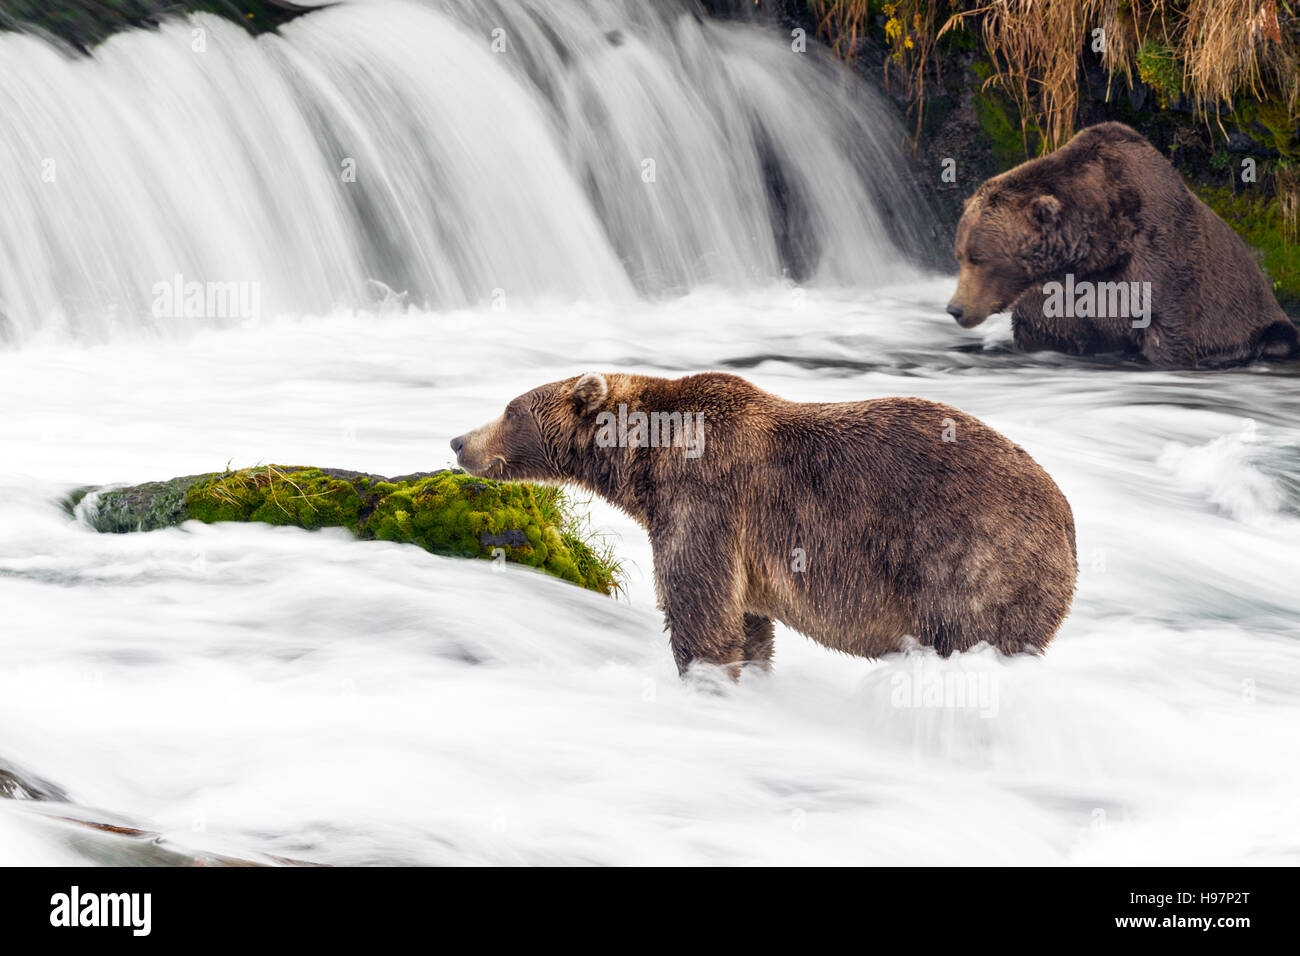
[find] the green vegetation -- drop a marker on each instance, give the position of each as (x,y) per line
(445,512)
(1214,51)
(1009,140)
(1158,67)
(1207,81)
(1271,122)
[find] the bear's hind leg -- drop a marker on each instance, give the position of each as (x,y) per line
(940,625)
(944,635)
(1021,622)
(758,641)
(1279,341)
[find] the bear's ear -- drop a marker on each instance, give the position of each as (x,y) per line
(590,392)
(1045,208)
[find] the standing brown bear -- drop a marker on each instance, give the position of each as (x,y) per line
(855,523)
(1100,247)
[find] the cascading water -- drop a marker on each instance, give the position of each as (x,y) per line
(458,152)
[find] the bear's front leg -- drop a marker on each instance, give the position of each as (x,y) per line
(697,579)
(698,629)
(1032,334)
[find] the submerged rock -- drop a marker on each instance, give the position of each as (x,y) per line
(18,784)
(104,838)
(444,512)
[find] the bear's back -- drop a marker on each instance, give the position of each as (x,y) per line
(904,450)
(890,505)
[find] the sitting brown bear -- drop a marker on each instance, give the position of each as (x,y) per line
(1100,247)
(856,523)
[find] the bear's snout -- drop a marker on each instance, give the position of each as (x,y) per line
(966,316)
(978,295)
(480,451)
(458,446)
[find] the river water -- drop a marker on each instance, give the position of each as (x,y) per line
(272,693)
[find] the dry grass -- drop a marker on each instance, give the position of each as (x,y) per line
(1286,187)
(1211,51)
(843,23)
(1034,46)
(1229,47)
(910,34)
(267,477)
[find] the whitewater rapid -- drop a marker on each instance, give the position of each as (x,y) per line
(257,690)
(447,153)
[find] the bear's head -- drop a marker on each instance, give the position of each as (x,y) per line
(540,434)
(1007,242)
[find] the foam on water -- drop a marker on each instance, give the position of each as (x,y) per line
(255,690)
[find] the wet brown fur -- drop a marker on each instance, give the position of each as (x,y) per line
(904,533)
(1108,207)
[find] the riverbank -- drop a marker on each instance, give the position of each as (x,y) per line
(982,87)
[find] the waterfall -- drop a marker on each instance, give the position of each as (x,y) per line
(454,152)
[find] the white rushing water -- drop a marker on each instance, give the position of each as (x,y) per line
(268,692)
(608,148)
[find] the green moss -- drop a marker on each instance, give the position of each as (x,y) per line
(445,512)
(1272,122)
(147,507)
(999,120)
(957,40)
(1222,160)
(1161,70)
(1258,220)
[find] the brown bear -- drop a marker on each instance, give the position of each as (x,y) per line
(855,523)
(1100,247)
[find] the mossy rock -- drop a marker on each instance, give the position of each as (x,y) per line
(1272,122)
(998,120)
(444,512)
